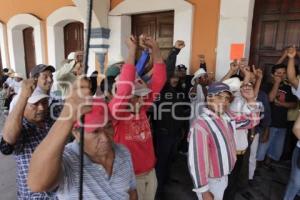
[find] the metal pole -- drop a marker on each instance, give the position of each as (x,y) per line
(85,61)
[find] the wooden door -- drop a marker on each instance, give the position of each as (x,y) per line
(29,49)
(160,26)
(73,37)
(276,25)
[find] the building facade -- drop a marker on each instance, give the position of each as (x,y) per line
(33,32)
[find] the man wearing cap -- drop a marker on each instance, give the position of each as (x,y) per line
(25,127)
(43,75)
(108,171)
(69,71)
(212,149)
(198,92)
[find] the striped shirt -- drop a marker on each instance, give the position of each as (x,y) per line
(212,149)
(97,184)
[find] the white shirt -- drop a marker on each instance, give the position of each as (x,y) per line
(9,81)
(197,103)
(239,105)
(16,86)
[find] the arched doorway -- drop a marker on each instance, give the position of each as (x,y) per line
(73,37)
(29,49)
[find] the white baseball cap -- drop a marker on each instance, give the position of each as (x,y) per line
(234,84)
(36,96)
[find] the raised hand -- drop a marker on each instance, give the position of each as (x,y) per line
(202,58)
(257,72)
(245,70)
(131,43)
(28,87)
(151,43)
(277,79)
(234,67)
(291,52)
(179,44)
(79,99)
(142,39)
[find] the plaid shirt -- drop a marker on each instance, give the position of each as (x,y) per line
(31,137)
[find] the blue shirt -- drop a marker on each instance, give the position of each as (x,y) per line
(140,65)
(97,184)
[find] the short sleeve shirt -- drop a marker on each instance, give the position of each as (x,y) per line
(31,137)
(97,184)
(284,94)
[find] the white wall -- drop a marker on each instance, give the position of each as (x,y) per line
(120,28)
(15,26)
(3,46)
(120,23)
(235,26)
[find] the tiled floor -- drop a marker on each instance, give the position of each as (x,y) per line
(269,184)
(7,173)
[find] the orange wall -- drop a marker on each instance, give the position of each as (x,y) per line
(206,22)
(40,8)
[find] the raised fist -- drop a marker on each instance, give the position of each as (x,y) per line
(28,87)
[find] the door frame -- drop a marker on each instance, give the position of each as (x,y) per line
(120,24)
(55,32)
(15,27)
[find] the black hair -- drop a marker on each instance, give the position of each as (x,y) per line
(107,84)
(278,66)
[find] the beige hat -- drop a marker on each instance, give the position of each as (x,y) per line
(18,75)
(71,56)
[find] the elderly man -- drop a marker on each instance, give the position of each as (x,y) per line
(212,149)
(25,127)
(108,170)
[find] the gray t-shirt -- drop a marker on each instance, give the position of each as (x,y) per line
(97,184)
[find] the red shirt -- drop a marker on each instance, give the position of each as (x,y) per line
(131,130)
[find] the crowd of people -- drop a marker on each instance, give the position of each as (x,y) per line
(140,116)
